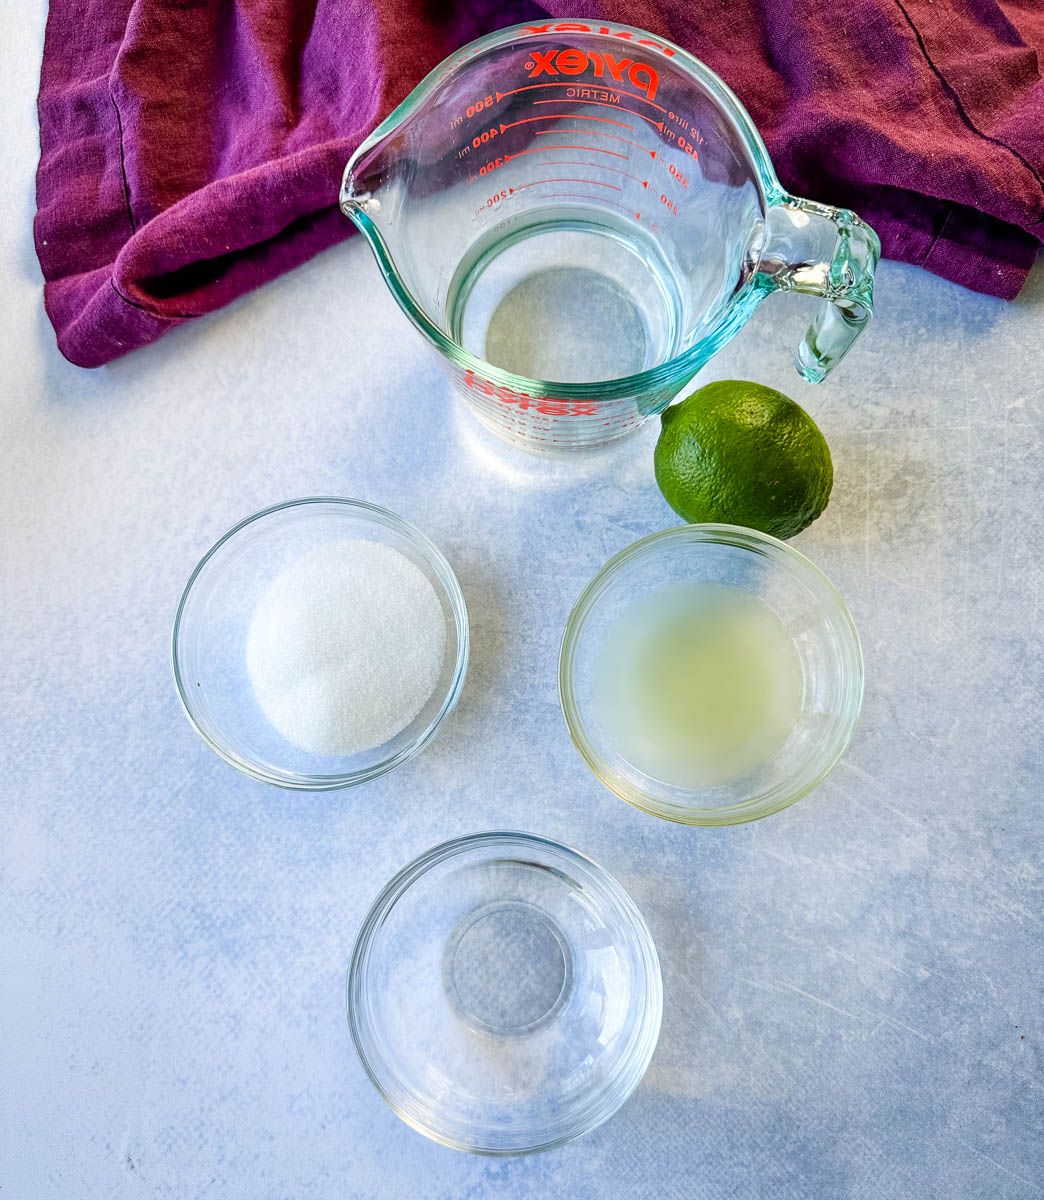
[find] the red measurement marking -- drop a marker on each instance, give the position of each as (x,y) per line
(600,199)
(615,107)
(593,86)
(593,149)
(595,133)
(592,182)
(558,117)
(576,162)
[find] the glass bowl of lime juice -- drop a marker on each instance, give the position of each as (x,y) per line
(710,675)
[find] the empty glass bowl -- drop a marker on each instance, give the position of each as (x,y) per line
(210,635)
(829,686)
(504,994)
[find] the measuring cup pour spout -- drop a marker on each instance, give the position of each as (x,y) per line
(384,193)
(355,199)
(577,217)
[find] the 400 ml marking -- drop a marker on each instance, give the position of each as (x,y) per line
(480,139)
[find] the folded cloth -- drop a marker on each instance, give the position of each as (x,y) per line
(192,149)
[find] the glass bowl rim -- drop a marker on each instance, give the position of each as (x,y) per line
(361,1029)
(377,516)
(781,795)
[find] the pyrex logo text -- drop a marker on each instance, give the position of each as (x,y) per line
(575,62)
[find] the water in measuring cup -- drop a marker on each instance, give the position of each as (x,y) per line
(566,296)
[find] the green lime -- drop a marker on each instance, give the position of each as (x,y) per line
(743,454)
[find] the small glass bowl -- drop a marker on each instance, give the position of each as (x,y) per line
(504,994)
(208,650)
(812,612)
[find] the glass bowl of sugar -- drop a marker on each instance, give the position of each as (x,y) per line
(320,643)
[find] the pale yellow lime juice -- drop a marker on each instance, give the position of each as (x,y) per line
(698,684)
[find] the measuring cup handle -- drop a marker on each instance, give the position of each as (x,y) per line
(826,252)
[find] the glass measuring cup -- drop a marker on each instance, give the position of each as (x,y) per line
(578,216)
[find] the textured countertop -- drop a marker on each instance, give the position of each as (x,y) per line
(852,988)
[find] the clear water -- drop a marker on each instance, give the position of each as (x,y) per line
(566,298)
(534,330)
(507,968)
(698,684)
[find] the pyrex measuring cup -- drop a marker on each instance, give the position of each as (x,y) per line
(578,216)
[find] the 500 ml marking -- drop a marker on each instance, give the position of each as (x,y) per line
(477,107)
(470,111)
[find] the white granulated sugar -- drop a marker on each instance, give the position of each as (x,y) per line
(345,647)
